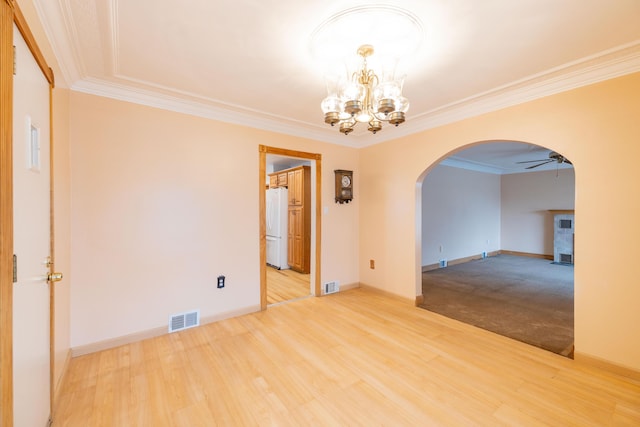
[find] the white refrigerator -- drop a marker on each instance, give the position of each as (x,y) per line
(277,211)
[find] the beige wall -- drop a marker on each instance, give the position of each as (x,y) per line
(526,223)
(596,127)
(460,214)
(163,203)
(462,210)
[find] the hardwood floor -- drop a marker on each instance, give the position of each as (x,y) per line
(356,358)
(285,285)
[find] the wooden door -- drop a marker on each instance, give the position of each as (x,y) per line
(32,240)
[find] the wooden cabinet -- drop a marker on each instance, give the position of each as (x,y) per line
(299,226)
(282,179)
(278,179)
(296,187)
(296,256)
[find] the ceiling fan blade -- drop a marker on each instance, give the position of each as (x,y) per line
(532,161)
(540,164)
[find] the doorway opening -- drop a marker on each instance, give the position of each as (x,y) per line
(289,225)
(486,224)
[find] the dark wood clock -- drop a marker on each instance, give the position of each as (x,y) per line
(344,186)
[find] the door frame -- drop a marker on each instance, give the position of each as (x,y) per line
(262,173)
(11,14)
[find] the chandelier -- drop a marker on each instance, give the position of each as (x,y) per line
(364,98)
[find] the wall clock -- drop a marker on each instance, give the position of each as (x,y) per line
(344,186)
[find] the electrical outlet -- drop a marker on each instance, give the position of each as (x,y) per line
(220,281)
(372,264)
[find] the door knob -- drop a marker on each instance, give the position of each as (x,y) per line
(54,277)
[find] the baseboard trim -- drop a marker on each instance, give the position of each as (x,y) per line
(430,267)
(152,333)
(527,254)
(419,300)
(386,293)
(348,287)
(607,366)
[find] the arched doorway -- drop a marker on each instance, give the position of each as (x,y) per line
(487,241)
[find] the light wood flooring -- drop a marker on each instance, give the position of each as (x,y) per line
(355,358)
(286,285)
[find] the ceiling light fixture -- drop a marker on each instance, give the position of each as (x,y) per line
(357,93)
(365,99)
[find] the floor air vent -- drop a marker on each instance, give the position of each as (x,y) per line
(331,287)
(178,322)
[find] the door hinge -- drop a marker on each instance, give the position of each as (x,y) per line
(15,268)
(15,67)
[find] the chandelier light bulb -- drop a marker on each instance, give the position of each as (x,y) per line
(364,117)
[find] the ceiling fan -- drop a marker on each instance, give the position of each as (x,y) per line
(553,157)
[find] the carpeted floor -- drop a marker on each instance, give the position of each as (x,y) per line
(524,298)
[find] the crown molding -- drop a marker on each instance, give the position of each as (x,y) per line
(60,34)
(603,66)
(606,65)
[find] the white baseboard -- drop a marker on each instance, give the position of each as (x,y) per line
(152,333)
(349,286)
(450,262)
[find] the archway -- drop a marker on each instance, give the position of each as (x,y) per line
(487,241)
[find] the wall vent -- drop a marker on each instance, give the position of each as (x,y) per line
(178,322)
(331,287)
(568,258)
(565,223)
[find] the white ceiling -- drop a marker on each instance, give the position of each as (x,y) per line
(248,61)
